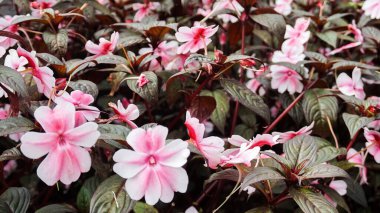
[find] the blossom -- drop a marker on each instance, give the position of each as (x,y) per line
(359,39)
(283,137)
(153,169)
(62,142)
(43,76)
(372,8)
(104,47)
(38,6)
(373,143)
(5,24)
(339,186)
(15,62)
(81,101)
(285,79)
(125,114)
(142,80)
(291,53)
(196,38)
(166,51)
(358,159)
(259,140)
(351,86)
(206,7)
(211,147)
(283,7)
(298,33)
(144,9)
(230,5)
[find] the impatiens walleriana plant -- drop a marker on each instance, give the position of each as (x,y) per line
(236,105)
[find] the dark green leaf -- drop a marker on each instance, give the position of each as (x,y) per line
(13,79)
(16,199)
(149,91)
(371,33)
(57,208)
(335,197)
(85,86)
(85,193)
(246,97)
(259,174)
(354,122)
(113,132)
(57,43)
(325,154)
(324,171)
(300,150)
(350,65)
(15,125)
(316,56)
(356,192)
(311,202)
(274,22)
(141,207)
(197,58)
(11,154)
(219,115)
(111,59)
(296,112)
(50,59)
(330,37)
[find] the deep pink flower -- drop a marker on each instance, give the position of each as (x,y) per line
(211,147)
(62,142)
(144,9)
(298,33)
(283,7)
(359,159)
(359,39)
(142,80)
(43,76)
(283,137)
(166,51)
(81,101)
(153,169)
(196,38)
(285,79)
(104,47)
(125,114)
(39,6)
(5,24)
(351,86)
(373,144)
(372,8)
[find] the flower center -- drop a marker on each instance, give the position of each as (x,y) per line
(290,73)
(61,141)
(152,160)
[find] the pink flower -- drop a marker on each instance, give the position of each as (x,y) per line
(298,33)
(206,10)
(166,51)
(43,76)
(359,39)
(39,6)
(291,53)
(283,7)
(373,144)
(286,136)
(9,168)
(230,5)
(104,47)
(254,84)
(351,86)
(81,101)
(359,159)
(144,9)
(372,8)
(177,62)
(339,186)
(125,114)
(15,62)
(62,142)
(5,24)
(142,80)
(196,38)
(259,140)
(286,79)
(153,169)
(210,147)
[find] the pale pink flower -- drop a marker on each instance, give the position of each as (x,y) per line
(15,62)
(243,155)
(2,52)
(299,32)
(196,38)
(372,8)
(62,142)
(177,62)
(43,76)
(291,53)
(283,7)
(351,86)
(211,147)
(153,169)
(253,84)
(104,47)
(126,114)
(249,189)
(285,79)
(339,186)
(81,101)
(359,159)
(9,168)
(166,51)
(359,39)
(5,24)
(286,136)
(373,144)
(206,7)
(39,6)
(144,9)
(258,140)
(230,5)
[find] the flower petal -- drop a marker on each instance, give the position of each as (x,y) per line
(85,135)
(129,163)
(35,145)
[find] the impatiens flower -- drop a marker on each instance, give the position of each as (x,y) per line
(144,9)
(9,168)
(43,76)
(373,144)
(283,137)
(206,7)
(81,101)
(339,186)
(191,209)
(196,38)
(283,7)
(15,62)
(372,8)
(142,80)
(298,33)
(351,86)
(104,47)
(211,147)
(166,51)
(291,53)
(152,169)
(249,190)
(126,114)
(285,79)
(243,155)
(230,5)
(39,6)
(5,24)
(62,142)
(358,159)
(258,140)
(359,39)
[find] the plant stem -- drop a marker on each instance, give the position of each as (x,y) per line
(353,140)
(205,192)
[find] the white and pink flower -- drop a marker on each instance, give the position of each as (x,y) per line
(230,5)
(6,25)
(64,144)
(104,47)
(359,160)
(153,169)
(373,143)
(166,51)
(285,136)
(283,7)
(196,38)
(372,8)
(126,115)
(359,39)
(286,79)
(351,86)
(144,9)
(299,32)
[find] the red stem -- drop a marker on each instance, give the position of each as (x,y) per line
(352,141)
(279,118)
(203,195)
